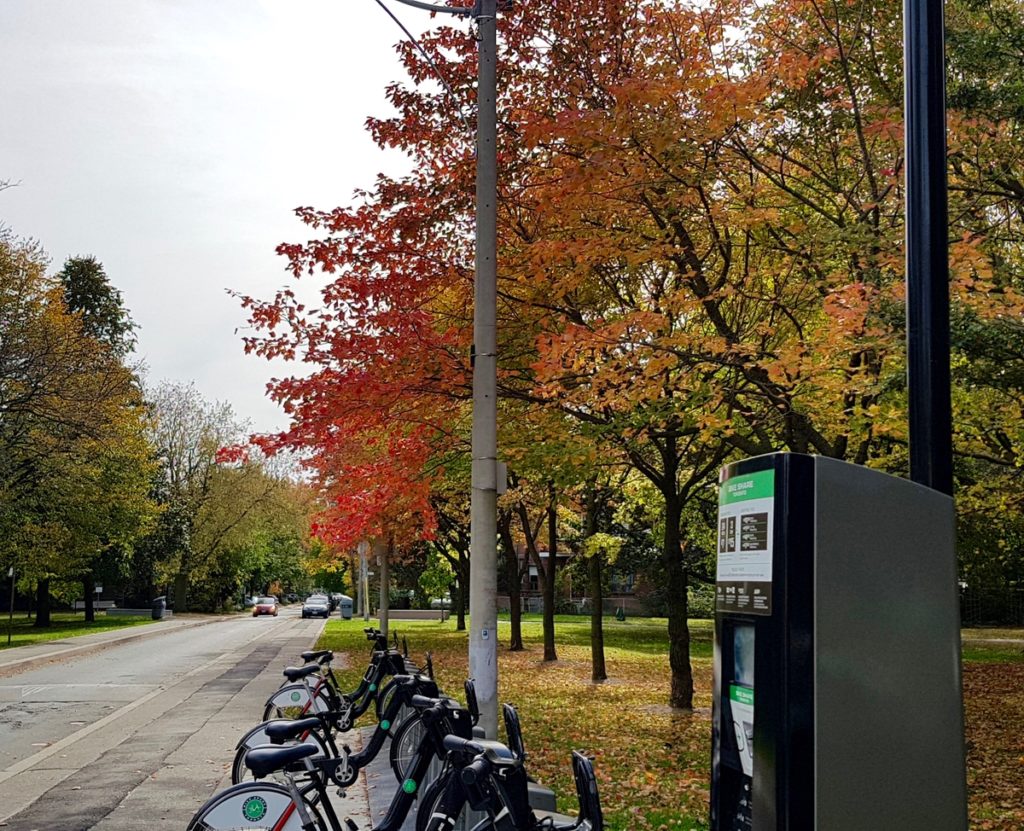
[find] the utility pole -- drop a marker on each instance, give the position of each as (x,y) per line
(483,544)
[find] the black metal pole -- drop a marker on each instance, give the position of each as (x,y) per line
(931,429)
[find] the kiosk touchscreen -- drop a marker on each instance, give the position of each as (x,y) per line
(837,701)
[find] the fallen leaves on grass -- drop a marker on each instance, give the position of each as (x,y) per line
(652,762)
(994,716)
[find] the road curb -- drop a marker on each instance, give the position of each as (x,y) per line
(8,668)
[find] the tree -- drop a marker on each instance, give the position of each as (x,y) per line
(75,463)
(103,317)
(695,264)
(437,578)
(219,498)
(89,293)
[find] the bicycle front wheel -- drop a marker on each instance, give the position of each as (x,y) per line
(433,815)
(253,806)
(404,743)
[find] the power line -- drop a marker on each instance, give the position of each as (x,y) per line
(426,56)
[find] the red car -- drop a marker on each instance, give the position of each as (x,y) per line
(265,606)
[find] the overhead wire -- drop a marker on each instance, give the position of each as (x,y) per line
(430,63)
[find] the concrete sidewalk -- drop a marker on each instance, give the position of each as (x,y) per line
(20,658)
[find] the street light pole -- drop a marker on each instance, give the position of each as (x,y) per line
(483,528)
(928,381)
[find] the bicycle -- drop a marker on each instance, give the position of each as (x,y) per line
(491,779)
(408,732)
(287,806)
(319,729)
(295,700)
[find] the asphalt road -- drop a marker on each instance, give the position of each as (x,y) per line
(140,734)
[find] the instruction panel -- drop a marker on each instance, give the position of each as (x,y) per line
(746,509)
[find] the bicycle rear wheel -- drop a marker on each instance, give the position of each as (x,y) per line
(253,806)
(292,701)
(258,737)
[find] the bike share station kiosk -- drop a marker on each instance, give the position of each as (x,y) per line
(837,702)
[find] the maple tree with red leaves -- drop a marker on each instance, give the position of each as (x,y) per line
(700,231)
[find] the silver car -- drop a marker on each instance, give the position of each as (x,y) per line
(316,605)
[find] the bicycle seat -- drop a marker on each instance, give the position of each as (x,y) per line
(317,655)
(265,759)
(283,730)
(295,673)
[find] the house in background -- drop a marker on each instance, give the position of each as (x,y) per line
(628,591)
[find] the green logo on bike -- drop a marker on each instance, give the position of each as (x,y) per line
(254,808)
(385,724)
(296,695)
(373,688)
(409,786)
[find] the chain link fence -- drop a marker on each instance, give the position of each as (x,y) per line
(992,607)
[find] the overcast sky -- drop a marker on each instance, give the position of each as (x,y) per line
(171,139)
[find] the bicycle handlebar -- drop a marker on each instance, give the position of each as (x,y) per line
(458,744)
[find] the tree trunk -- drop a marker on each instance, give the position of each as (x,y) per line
(598,670)
(89,590)
(549,582)
(180,592)
(463,594)
(42,604)
(597,667)
(681,694)
(515,582)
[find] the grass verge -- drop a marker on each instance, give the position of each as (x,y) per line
(63,625)
(652,762)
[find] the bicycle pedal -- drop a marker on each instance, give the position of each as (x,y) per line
(340,792)
(351,824)
(347,749)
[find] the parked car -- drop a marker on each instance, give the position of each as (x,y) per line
(265,606)
(316,605)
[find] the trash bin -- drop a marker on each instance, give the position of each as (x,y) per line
(159,607)
(346,607)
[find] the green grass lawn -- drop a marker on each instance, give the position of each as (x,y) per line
(63,625)
(997,645)
(652,763)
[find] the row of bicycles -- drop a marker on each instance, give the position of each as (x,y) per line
(286,766)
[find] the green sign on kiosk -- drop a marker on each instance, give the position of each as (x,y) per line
(837,703)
